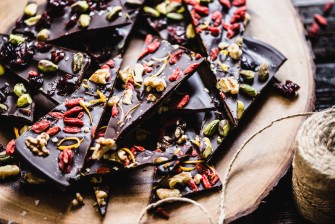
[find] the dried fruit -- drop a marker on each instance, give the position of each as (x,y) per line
(263,72)
(114,13)
(73,122)
(327,8)
(175,74)
(77,62)
(211,128)
(47,66)
(151,48)
(214,54)
(240,109)
(10,148)
(288,89)
(43,35)
(19,89)
(84,20)
(224,127)
(54,130)
(225,3)
(191,68)
(40,126)
(249,90)
(30,9)
(183,102)
(175,57)
(24,100)
(314,30)
(71,130)
(203,10)
(65,160)
(239,3)
(322,21)
(73,102)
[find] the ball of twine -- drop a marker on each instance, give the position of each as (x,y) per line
(314,168)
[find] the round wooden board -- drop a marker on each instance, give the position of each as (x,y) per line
(257,170)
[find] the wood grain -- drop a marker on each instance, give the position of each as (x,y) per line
(258,169)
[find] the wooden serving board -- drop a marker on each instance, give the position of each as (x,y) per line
(257,170)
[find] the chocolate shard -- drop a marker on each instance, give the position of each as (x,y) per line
(139,90)
(56,145)
(62,18)
(54,71)
(101,193)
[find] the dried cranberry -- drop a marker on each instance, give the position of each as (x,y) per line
(288,89)
(68,84)
(42,47)
(177,35)
(17,55)
(57,55)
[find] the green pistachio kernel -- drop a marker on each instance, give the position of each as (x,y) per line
(162,8)
(43,35)
(211,128)
(114,13)
(30,9)
(47,66)
(190,33)
(2,70)
(175,16)
(240,109)
(247,75)
(24,100)
(134,2)
(151,11)
(77,62)
(16,39)
(19,89)
(263,72)
(84,20)
(173,7)
(80,6)
(32,20)
(3,108)
(206,143)
(224,127)
(249,90)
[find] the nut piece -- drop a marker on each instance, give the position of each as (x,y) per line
(151,97)
(224,127)
(3,108)
(8,171)
(151,12)
(24,100)
(239,41)
(228,84)
(248,75)
(31,178)
(167,193)
(223,45)
(160,160)
(80,6)
(182,139)
(240,109)
(47,66)
(19,89)
(155,82)
(38,145)
(2,70)
(113,100)
(249,90)
(127,96)
(100,76)
(197,178)
(182,178)
(138,73)
(190,33)
(84,20)
(234,51)
(211,128)
(103,145)
(16,39)
(263,72)
(175,16)
(43,35)
(32,20)
(101,197)
(207,146)
(78,201)
(77,62)
(30,9)
(114,13)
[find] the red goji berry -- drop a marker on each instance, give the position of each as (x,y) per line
(183,101)
(202,10)
(32,73)
(191,2)
(198,56)
(40,126)
(110,63)
(105,67)
(148,39)
(314,30)
(225,3)
(73,102)
(115,111)
(195,15)
(175,74)
(225,26)
(71,129)
(230,33)
(147,68)
(322,21)
(100,133)
(151,48)
(239,3)
(93,131)
(80,115)
(162,213)
(57,115)
(73,111)
(205,182)
(175,57)
(54,130)
(10,148)
(191,68)
(130,84)
(214,54)
(217,18)
(103,170)
(73,121)
(327,8)
(214,30)
(65,160)
(192,185)
(214,180)
(222,96)
(194,153)
(139,148)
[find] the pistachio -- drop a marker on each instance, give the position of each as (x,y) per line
(16,39)
(175,16)
(223,45)
(3,108)
(80,6)
(100,76)
(151,97)
(160,160)
(224,127)
(190,33)
(77,62)
(240,109)
(151,11)
(19,89)
(2,70)
(43,35)
(32,20)
(234,51)
(30,9)
(197,178)
(208,149)
(248,75)
(249,90)
(84,20)
(113,100)
(134,2)
(182,178)
(219,140)
(24,100)
(163,193)
(114,13)
(47,66)
(173,6)
(161,8)
(263,72)
(211,128)
(239,41)
(181,9)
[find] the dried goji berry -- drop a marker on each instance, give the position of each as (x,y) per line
(192,185)
(162,213)
(110,63)
(183,101)
(205,182)
(71,129)
(115,111)
(130,83)
(194,153)
(73,102)
(230,33)
(235,27)
(191,68)
(57,115)
(202,10)
(214,180)
(191,2)
(73,111)
(239,3)
(80,115)
(100,133)
(10,148)
(93,131)
(198,56)
(151,48)
(175,57)
(225,3)
(40,126)
(314,30)
(217,18)
(225,26)
(214,30)
(103,170)
(105,67)
(175,74)
(214,54)
(32,73)
(65,160)
(222,96)
(148,39)
(195,15)
(322,21)
(139,148)
(147,68)
(327,8)
(73,121)
(54,130)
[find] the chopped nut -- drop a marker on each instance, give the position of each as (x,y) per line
(127,97)
(138,73)
(54,139)
(30,9)
(2,70)
(101,197)
(182,178)
(113,100)
(151,97)
(197,178)
(240,109)
(43,35)
(37,202)
(190,33)
(263,72)
(86,129)
(80,199)
(228,84)
(224,67)
(167,193)
(155,82)
(114,13)
(31,178)
(38,145)
(8,171)
(77,62)
(223,45)
(103,145)
(239,41)
(178,132)
(182,139)
(234,51)
(100,76)
(32,20)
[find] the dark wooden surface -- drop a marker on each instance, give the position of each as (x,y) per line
(279,206)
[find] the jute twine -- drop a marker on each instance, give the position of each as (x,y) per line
(222,212)
(314,168)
